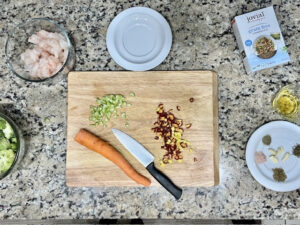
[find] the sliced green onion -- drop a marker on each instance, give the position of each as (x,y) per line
(106,107)
(124,115)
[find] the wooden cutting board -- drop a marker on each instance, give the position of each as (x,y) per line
(85,168)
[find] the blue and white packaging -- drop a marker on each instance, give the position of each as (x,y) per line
(260,40)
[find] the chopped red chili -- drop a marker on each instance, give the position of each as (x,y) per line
(169,129)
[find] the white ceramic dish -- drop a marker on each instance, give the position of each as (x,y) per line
(283,134)
(139,39)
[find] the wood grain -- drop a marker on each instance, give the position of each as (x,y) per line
(172,88)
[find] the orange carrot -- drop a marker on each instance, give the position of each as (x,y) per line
(95,144)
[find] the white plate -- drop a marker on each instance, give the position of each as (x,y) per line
(283,134)
(139,39)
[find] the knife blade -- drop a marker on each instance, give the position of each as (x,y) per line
(147,159)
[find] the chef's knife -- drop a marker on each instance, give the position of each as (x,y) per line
(146,158)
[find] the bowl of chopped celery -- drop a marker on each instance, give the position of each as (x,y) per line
(11,145)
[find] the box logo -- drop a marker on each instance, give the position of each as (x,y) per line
(255,17)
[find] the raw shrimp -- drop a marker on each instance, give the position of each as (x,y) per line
(50,45)
(31,56)
(57,45)
(34,39)
(48,55)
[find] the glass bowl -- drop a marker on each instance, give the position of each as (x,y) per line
(17,42)
(20,148)
(287,102)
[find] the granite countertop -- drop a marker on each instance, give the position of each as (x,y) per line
(203,39)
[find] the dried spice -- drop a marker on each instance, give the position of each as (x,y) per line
(260,157)
(279,175)
(192,99)
(169,129)
(296,151)
(267,140)
(178,108)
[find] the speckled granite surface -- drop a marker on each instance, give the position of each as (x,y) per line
(203,39)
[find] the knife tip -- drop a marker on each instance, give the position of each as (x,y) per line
(114,130)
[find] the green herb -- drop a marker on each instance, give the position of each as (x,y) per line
(124,115)
(296,151)
(279,175)
(284,49)
(276,36)
(131,94)
(105,108)
(46,120)
(267,140)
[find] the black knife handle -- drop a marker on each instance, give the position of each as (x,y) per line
(164,181)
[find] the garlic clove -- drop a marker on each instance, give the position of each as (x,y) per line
(272,151)
(280,150)
(285,157)
(273,159)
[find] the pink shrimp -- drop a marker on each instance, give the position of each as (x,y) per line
(47,56)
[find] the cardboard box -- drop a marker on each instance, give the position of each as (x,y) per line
(260,40)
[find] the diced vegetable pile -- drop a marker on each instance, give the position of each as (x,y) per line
(107,107)
(8,146)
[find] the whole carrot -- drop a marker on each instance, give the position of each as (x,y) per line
(95,144)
